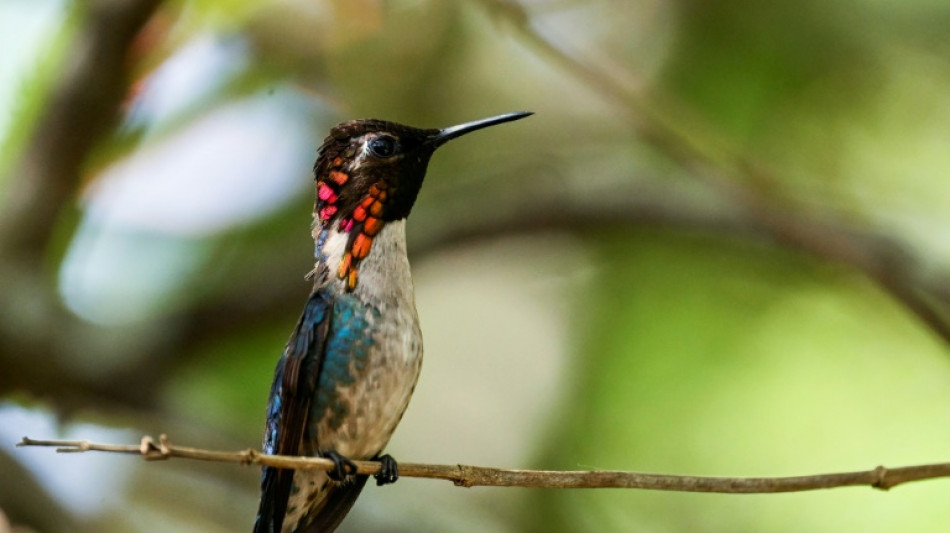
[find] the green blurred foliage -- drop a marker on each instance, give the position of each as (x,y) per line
(720,358)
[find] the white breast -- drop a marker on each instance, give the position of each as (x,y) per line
(384,280)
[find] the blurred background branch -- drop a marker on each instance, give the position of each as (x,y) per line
(82,107)
(747,184)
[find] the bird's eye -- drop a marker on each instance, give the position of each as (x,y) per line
(383,146)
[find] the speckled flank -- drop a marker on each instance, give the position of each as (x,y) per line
(345,358)
(377,351)
(372,358)
(307,496)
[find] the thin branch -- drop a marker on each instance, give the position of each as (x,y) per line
(276,288)
(478,476)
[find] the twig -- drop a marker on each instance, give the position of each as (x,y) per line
(477,476)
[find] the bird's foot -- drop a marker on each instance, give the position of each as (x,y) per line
(341,466)
(388,470)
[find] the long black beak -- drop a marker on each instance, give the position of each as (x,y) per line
(447,134)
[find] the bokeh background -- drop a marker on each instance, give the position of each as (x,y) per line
(720,247)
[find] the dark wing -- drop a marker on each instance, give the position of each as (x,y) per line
(293,388)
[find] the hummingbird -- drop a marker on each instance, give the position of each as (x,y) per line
(352,361)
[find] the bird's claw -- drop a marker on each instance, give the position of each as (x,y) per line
(341,466)
(388,470)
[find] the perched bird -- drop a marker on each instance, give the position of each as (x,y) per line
(352,361)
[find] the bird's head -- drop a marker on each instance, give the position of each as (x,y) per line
(369,172)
